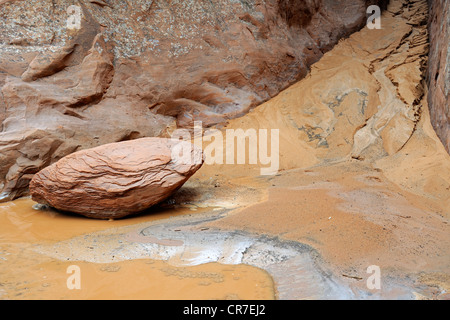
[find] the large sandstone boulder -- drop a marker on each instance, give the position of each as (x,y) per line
(135,68)
(118,179)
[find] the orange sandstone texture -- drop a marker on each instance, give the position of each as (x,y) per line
(363,176)
(438,76)
(115,180)
(135,68)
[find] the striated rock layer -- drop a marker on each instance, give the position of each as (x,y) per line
(438,77)
(135,68)
(363,101)
(363,177)
(358,101)
(382,200)
(118,179)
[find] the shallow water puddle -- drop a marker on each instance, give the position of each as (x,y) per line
(164,255)
(19,222)
(182,242)
(26,274)
(136,279)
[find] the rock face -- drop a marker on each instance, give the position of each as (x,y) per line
(133,69)
(118,179)
(356,103)
(364,103)
(438,76)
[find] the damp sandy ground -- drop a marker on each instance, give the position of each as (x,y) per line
(363,181)
(26,274)
(363,178)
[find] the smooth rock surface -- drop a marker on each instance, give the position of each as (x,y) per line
(116,180)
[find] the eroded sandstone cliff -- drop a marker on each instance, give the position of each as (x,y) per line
(135,68)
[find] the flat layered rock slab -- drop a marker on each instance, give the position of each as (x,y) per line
(116,180)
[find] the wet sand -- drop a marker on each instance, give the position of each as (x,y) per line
(26,274)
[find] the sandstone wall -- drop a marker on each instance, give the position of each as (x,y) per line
(438,77)
(135,68)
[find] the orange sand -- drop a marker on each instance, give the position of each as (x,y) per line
(25,274)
